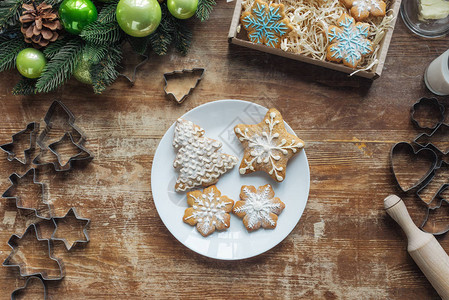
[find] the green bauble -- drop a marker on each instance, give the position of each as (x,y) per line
(138,18)
(76,14)
(182,9)
(30,62)
(82,71)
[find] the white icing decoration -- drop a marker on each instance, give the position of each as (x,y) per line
(209,210)
(266,148)
(368,5)
(198,159)
(258,207)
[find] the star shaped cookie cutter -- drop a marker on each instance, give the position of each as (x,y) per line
(15,293)
(183,71)
(66,242)
(32,128)
(14,178)
(58,164)
(13,243)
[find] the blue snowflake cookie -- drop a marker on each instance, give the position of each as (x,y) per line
(266,23)
(348,41)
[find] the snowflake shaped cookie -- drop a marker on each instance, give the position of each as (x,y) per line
(208,210)
(268,146)
(258,207)
(266,23)
(348,42)
(198,159)
(361,9)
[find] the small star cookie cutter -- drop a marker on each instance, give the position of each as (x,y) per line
(33,129)
(12,242)
(19,290)
(59,164)
(176,73)
(72,211)
(14,178)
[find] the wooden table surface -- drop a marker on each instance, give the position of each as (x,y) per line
(344,246)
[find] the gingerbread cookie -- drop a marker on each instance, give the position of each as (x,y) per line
(268,146)
(258,207)
(348,42)
(361,9)
(208,210)
(198,159)
(266,23)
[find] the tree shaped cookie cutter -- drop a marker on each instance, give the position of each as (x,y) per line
(66,242)
(176,73)
(13,243)
(426,218)
(14,178)
(59,165)
(17,291)
(33,129)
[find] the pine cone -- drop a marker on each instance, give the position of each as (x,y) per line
(40,24)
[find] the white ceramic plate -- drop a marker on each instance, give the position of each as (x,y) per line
(218,120)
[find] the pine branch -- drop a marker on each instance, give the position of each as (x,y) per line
(104,73)
(53,2)
(182,36)
(8,52)
(161,39)
(204,9)
(25,87)
(107,13)
(99,33)
(10,11)
(95,53)
(53,48)
(58,70)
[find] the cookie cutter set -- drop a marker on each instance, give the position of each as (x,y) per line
(75,138)
(433,153)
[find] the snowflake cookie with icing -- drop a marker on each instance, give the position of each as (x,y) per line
(198,159)
(208,210)
(268,146)
(266,23)
(348,42)
(361,9)
(258,207)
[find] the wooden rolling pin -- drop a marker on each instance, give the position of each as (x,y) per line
(423,247)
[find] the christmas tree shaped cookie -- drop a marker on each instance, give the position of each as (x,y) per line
(199,161)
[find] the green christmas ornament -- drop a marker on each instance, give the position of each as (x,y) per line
(82,71)
(76,14)
(30,63)
(182,9)
(138,18)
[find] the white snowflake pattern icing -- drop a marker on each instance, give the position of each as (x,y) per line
(368,5)
(209,209)
(258,207)
(267,148)
(198,159)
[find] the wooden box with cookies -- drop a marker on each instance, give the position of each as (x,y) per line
(350,36)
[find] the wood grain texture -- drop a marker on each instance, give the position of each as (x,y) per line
(345,246)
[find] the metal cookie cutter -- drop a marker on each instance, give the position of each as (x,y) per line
(59,165)
(15,178)
(426,218)
(32,128)
(177,73)
(442,165)
(15,293)
(425,140)
(68,125)
(421,152)
(430,102)
(73,213)
(13,243)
